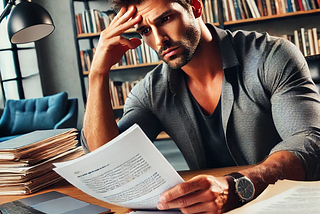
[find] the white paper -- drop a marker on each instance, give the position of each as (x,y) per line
(285,197)
(128,171)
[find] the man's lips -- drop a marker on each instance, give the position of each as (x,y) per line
(169,52)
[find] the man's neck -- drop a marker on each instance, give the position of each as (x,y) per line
(206,64)
(204,73)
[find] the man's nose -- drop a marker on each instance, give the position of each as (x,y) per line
(160,37)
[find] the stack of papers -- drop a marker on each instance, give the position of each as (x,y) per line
(26,161)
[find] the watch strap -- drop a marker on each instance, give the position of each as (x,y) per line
(235,175)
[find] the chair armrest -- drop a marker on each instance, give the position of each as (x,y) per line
(2,128)
(4,131)
(71,118)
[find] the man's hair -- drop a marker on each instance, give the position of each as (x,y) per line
(118,4)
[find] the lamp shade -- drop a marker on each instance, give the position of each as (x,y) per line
(29,22)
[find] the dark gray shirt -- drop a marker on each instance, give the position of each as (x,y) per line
(214,142)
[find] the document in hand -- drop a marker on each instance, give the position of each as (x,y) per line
(128,171)
(285,196)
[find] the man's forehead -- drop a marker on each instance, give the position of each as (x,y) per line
(146,6)
(154,8)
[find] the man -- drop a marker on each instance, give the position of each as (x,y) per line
(224,98)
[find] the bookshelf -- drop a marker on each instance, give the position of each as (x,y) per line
(287,20)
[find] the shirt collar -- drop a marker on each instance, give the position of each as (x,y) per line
(226,48)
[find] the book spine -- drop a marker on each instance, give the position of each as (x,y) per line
(232,10)
(237,9)
(315,39)
(255,8)
(251,9)
(311,43)
(304,47)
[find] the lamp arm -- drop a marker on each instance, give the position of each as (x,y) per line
(7,10)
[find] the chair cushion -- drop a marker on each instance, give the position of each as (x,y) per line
(35,114)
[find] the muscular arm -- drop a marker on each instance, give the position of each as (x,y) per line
(278,166)
(208,194)
(99,125)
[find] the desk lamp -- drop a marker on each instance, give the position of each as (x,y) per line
(28,21)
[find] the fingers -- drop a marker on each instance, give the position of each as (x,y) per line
(112,45)
(188,199)
(186,193)
(202,194)
(208,207)
(124,20)
(121,23)
(194,184)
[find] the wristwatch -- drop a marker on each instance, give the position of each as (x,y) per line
(244,187)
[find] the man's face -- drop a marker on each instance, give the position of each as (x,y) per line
(169,29)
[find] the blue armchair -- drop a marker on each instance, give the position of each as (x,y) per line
(27,115)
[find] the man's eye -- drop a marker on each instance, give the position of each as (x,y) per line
(145,31)
(164,19)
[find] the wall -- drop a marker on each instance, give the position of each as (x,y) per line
(57,54)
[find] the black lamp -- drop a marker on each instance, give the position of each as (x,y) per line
(28,21)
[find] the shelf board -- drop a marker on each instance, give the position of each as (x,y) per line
(118,108)
(298,13)
(129,66)
(136,66)
(93,35)
(88,35)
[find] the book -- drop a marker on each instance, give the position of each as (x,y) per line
(297,39)
(232,10)
(252,10)
(128,171)
(285,196)
(51,203)
(269,9)
(225,10)
(255,8)
(315,40)
(215,11)
(237,9)
(311,42)
(246,9)
(304,44)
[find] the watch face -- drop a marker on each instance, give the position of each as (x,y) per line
(245,188)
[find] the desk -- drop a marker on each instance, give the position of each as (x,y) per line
(68,189)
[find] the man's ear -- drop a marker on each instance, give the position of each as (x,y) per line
(197,7)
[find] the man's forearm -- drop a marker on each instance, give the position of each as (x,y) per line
(99,125)
(278,166)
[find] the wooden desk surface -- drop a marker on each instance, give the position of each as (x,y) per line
(68,189)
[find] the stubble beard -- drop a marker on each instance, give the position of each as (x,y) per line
(189,44)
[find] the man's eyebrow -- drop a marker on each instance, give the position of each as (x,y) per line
(156,19)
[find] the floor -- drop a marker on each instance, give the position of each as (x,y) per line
(171,152)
